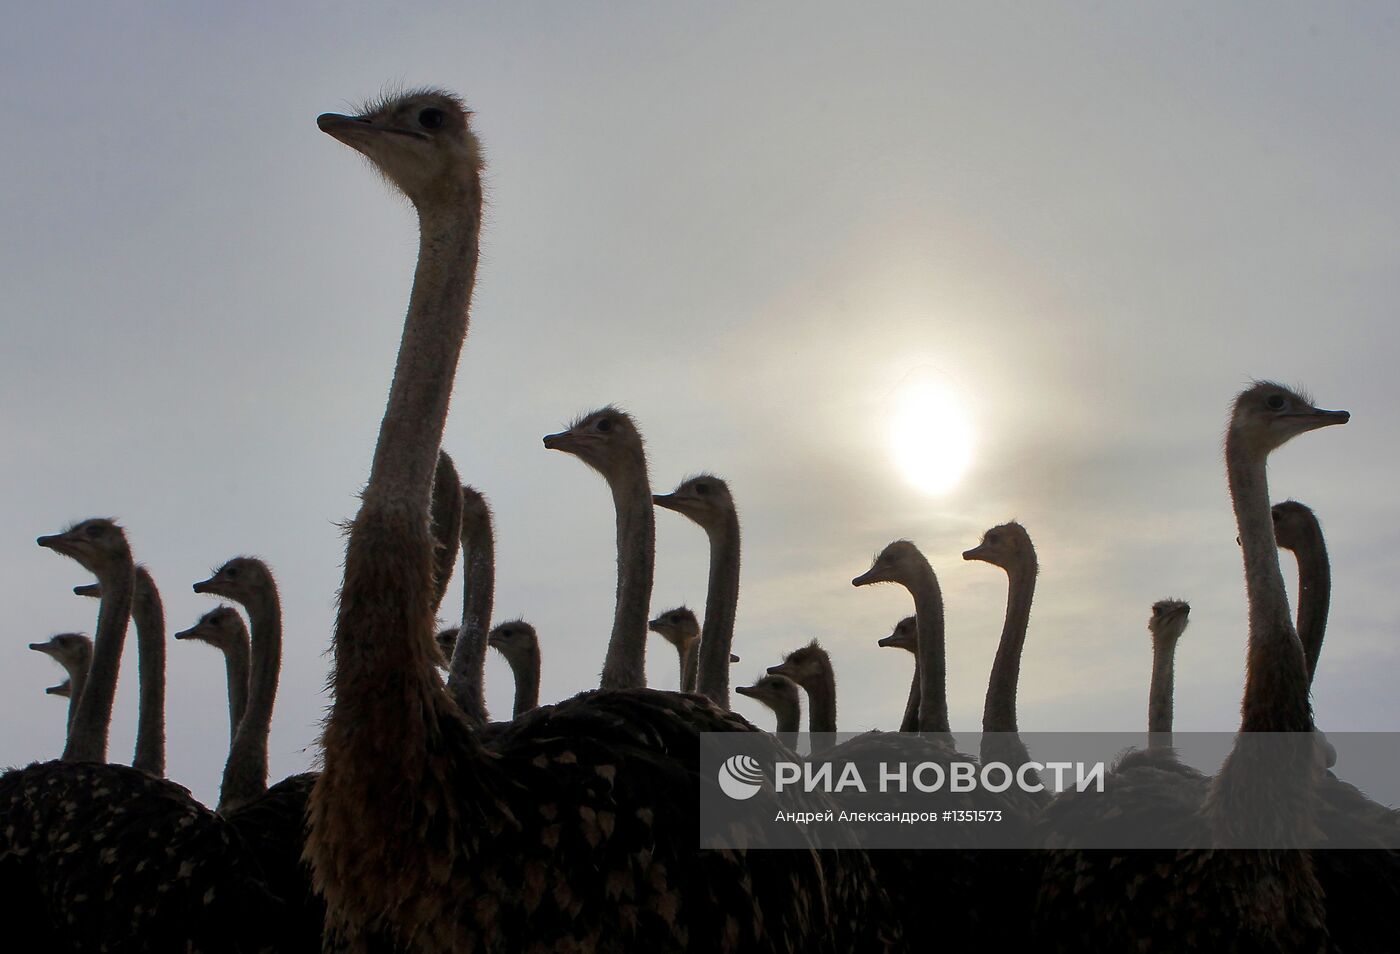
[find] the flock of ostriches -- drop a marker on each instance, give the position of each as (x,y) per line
(573,826)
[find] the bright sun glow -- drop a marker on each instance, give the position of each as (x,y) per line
(931,435)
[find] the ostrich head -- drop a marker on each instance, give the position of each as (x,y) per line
(476,512)
(242,579)
(679,626)
(421,141)
(606,440)
(98,544)
(1295,525)
(703,498)
(900,562)
(1168,619)
(1002,546)
(221,628)
(1267,415)
(517,641)
(64,689)
(905,635)
(71,650)
(803,666)
(773,690)
(446,640)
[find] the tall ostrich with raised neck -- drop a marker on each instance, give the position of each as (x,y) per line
(576,831)
(609,442)
(517,641)
(1210,900)
(905,635)
(1008,546)
(446,523)
(782,695)
(902,563)
(681,629)
(248,582)
(1167,623)
(148,614)
(100,547)
(467,671)
(1297,530)
(72,651)
(706,500)
(224,629)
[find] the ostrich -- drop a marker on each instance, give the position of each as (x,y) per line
(780,694)
(1296,529)
(681,629)
(466,677)
(223,629)
(516,640)
(905,635)
(1266,900)
(577,829)
(608,441)
(93,855)
(810,667)
(706,500)
(72,651)
(1009,546)
(1167,623)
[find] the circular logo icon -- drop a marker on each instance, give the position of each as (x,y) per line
(740,777)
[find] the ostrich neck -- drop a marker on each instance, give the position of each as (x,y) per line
(1276,683)
(1314,597)
(87,737)
(149,616)
(236,669)
(999,712)
(721,603)
(1159,697)
(446,512)
(910,722)
(625,665)
(933,685)
(245,773)
(527,683)
(467,676)
(821,700)
(77,679)
(689,655)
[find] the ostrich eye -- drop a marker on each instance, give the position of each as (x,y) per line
(431,118)
(231,573)
(702,489)
(92,530)
(1275,402)
(603,426)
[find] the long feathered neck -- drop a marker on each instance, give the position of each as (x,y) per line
(236,655)
(447,507)
(821,697)
(625,665)
(1162,691)
(1314,594)
(1276,684)
(932,670)
(910,721)
(721,604)
(467,677)
(689,655)
(788,709)
(527,682)
(77,679)
(245,773)
(87,737)
(999,712)
(149,616)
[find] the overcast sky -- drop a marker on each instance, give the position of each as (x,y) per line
(748,224)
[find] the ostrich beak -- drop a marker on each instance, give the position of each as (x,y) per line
(565,441)
(668,501)
(733,658)
(886,640)
(654,625)
(88,589)
(746,691)
(58,542)
(351,130)
(779,670)
(204,586)
(974,554)
(866,578)
(62,689)
(44,648)
(185,633)
(1317,418)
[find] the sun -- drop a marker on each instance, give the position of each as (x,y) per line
(931,435)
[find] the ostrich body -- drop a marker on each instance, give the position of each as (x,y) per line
(609,442)
(248,582)
(1009,546)
(107,857)
(576,831)
(223,629)
(1209,900)
(466,678)
(149,616)
(706,500)
(782,695)
(681,629)
(517,641)
(905,635)
(72,651)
